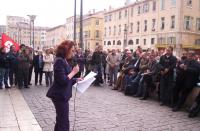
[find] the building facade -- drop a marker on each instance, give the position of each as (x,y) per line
(92,30)
(18,28)
(154,24)
(55,36)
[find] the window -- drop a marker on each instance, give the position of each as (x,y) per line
(132,9)
(131,31)
(138,26)
(113,42)
(145,25)
(125,14)
(162,23)
(120,15)
(114,30)
(109,30)
(105,32)
(171,40)
(173,2)
(97,43)
(152,41)
(153,24)
(154,5)
(125,27)
(105,18)
(109,43)
(110,17)
(118,42)
(161,40)
(198,24)
(119,33)
(197,41)
(104,42)
(173,22)
(97,33)
(189,2)
(145,41)
(137,41)
(130,42)
(138,9)
(162,4)
(188,22)
(146,8)
(97,22)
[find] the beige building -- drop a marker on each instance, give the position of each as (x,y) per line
(92,30)
(55,36)
(18,28)
(154,24)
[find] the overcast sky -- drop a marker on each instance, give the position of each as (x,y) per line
(50,12)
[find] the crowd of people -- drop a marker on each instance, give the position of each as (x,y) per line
(137,73)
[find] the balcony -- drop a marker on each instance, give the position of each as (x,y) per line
(159,45)
(191,46)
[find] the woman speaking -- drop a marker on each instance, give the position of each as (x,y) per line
(61,90)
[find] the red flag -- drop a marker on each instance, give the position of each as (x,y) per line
(8,42)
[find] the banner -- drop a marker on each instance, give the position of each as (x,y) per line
(7,42)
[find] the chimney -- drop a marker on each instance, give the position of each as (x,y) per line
(93,11)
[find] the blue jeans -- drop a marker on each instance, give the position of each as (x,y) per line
(113,75)
(4,73)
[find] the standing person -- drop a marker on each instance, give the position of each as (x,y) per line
(4,68)
(13,66)
(61,90)
(98,58)
(113,60)
(48,67)
(38,65)
(190,77)
(88,66)
(167,63)
(80,60)
(31,54)
(23,67)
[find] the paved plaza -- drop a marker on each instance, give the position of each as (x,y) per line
(102,109)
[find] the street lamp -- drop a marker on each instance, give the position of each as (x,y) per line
(81,25)
(32,19)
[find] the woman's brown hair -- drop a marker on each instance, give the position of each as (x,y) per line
(64,48)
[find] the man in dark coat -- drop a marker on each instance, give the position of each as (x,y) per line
(38,65)
(167,63)
(191,70)
(13,66)
(4,68)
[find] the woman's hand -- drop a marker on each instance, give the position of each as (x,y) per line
(75,69)
(79,79)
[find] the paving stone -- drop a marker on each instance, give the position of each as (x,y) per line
(102,109)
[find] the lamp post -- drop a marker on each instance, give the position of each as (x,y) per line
(32,19)
(75,21)
(81,25)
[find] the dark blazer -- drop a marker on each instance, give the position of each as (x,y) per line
(36,63)
(61,90)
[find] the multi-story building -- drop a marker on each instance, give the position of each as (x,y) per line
(2,30)
(92,30)
(70,27)
(55,36)
(18,28)
(154,24)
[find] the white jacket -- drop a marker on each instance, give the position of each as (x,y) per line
(48,62)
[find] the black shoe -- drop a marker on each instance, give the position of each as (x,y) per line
(7,87)
(191,115)
(143,98)
(26,87)
(29,84)
(162,104)
(40,84)
(175,109)
(110,85)
(1,87)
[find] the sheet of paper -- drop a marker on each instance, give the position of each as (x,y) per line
(83,85)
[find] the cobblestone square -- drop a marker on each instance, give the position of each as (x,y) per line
(102,109)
